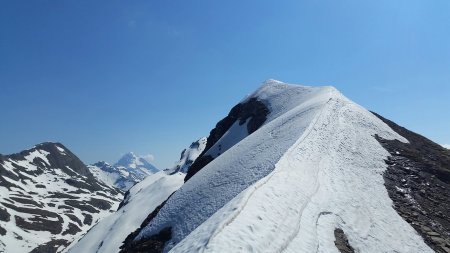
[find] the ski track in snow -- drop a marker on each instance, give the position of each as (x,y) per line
(309,193)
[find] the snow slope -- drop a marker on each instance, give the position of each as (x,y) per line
(313,166)
(142,199)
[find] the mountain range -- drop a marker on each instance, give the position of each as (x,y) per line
(291,168)
(49,198)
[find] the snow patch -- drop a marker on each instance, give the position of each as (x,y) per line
(38,154)
(61,150)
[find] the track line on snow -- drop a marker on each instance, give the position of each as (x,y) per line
(316,189)
(263,182)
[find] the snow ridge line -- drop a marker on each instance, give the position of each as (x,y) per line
(291,237)
(266,179)
(317,186)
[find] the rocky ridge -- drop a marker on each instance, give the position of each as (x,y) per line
(48,199)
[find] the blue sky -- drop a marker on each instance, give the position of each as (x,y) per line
(108,77)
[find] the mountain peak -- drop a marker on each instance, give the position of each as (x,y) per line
(128,159)
(130,154)
(131,161)
(129,170)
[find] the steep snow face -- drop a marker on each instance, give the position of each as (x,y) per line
(312,167)
(188,156)
(108,235)
(48,198)
(128,171)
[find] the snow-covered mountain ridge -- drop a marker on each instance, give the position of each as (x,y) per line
(129,170)
(48,199)
(304,169)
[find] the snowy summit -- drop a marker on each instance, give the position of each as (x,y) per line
(129,170)
(295,169)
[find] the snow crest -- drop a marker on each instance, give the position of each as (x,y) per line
(330,178)
(314,166)
(243,164)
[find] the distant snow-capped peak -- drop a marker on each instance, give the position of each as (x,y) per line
(129,170)
(132,161)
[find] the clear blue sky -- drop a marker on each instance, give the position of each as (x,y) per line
(107,77)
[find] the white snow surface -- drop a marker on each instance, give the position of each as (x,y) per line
(312,167)
(42,154)
(107,236)
(63,152)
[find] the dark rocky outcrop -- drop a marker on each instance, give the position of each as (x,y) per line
(125,199)
(99,203)
(40,223)
(74,218)
(81,205)
(27,201)
(87,219)
(341,242)
(152,244)
(4,215)
(50,247)
(418,182)
(72,229)
(199,163)
(2,231)
(253,110)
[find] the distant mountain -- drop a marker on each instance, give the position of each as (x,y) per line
(129,170)
(48,199)
(188,156)
(131,161)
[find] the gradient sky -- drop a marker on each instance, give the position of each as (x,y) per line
(108,77)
